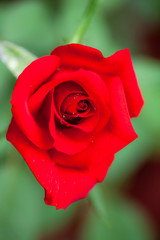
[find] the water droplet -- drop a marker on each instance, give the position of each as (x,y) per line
(65,192)
(49,181)
(34,160)
(63,116)
(92,141)
(56,182)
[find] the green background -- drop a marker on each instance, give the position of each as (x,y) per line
(126,206)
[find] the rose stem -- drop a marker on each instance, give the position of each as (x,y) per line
(77,36)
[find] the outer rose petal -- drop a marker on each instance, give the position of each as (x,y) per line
(121,64)
(29,80)
(78,56)
(75,184)
(120,123)
(38,160)
(62,186)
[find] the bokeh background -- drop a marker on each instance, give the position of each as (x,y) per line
(126,206)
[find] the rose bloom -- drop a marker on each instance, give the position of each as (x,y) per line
(71,113)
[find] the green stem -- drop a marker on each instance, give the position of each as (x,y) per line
(77,37)
(99,204)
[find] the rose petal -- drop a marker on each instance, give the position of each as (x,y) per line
(30,79)
(37,98)
(79,56)
(66,142)
(119,132)
(90,158)
(97,91)
(120,123)
(88,80)
(115,136)
(75,184)
(121,64)
(64,89)
(62,186)
(38,160)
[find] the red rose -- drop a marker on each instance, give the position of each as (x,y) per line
(71,114)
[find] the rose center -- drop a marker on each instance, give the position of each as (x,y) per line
(74,107)
(82,106)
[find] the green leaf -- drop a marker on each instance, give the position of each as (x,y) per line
(14,57)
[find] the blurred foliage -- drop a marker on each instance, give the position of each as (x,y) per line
(124,221)
(40,26)
(15,58)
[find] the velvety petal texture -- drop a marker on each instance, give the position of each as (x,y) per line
(71,113)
